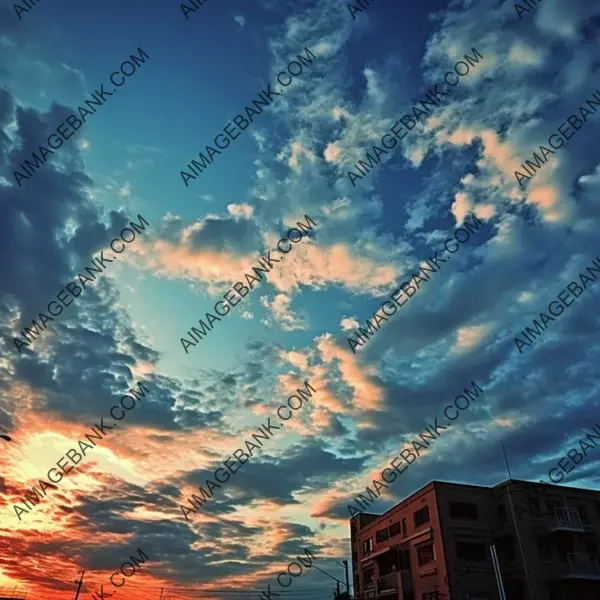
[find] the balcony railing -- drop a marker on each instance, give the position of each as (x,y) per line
(389,583)
(583,566)
(370,590)
(566,519)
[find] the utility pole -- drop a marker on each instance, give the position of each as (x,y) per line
(80,584)
(347,579)
(161,591)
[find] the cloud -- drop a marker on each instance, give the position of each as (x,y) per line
(280,309)
(349,324)
(459,328)
(243,211)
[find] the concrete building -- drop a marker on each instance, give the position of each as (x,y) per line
(434,545)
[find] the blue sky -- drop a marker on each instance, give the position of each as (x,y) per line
(294,327)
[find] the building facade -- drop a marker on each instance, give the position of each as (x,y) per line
(435,544)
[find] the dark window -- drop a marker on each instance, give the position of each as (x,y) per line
(502,511)
(404,528)
(367,546)
(470,550)
(544,547)
(505,547)
(590,543)
(368,576)
(394,528)
(381,535)
(403,559)
(425,554)
(583,514)
(435,595)
(533,504)
(463,510)
(565,545)
(421,516)
(552,504)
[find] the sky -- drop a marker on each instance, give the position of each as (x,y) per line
(538,67)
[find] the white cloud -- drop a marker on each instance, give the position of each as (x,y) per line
(523,54)
(280,309)
(332,153)
(468,338)
(243,211)
(349,324)
(240,20)
(125,190)
(296,151)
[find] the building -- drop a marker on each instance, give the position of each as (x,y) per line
(434,545)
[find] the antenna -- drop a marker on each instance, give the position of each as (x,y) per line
(512,512)
(506,461)
(79,586)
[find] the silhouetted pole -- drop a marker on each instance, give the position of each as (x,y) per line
(347,578)
(161,591)
(80,584)
(512,512)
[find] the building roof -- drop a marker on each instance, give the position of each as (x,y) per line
(438,482)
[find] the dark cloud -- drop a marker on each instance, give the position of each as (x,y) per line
(304,467)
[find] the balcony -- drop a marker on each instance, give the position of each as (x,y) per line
(580,566)
(394,585)
(389,583)
(370,590)
(565,519)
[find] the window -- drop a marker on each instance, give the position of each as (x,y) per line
(368,576)
(435,595)
(367,546)
(590,544)
(544,547)
(381,535)
(533,504)
(463,510)
(394,528)
(421,516)
(565,545)
(505,547)
(470,550)
(425,554)
(585,520)
(552,504)
(404,528)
